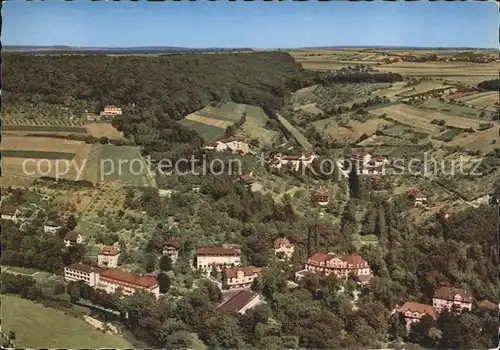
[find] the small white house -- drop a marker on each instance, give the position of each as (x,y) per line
(71,238)
(11,213)
(52,226)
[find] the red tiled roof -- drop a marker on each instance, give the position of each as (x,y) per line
(8,210)
(415,193)
(83,268)
(71,236)
(172,243)
(486,304)
(109,250)
(218,251)
(420,308)
(448,293)
(237,302)
(246,179)
(320,257)
(110,107)
(281,241)
(131,278)
(247,271)
(353,259)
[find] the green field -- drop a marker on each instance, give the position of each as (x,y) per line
(38,154)
(231,112)
(40,128)
(207,132)
(37,326)
(21,270)
(295,133)
(121,164)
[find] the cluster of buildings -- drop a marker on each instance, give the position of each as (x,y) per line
(107,277)
(234,144)
(445,298)
(418,197)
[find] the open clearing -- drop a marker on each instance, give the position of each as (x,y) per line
(207,132)
(354,130)
(37,326)
(209,121)
(480,140)
(44,129)
(42,144)
(295,133)
(104,130)
(421,118)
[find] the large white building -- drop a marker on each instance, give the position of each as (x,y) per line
(305,159)
(233,144)
(111,279)
(218,257)
(241,277)
(450,298)
(108,256)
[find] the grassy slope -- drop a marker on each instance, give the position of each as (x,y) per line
(37,326)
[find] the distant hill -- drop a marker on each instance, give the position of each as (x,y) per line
(116,50)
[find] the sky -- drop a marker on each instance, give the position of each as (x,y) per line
(255,24)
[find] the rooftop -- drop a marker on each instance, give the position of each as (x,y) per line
(83,268)
(247,271)
(109,250)
(237,302)
(449,293)
(219,251)
(351,259)
(281,242)
(173,243)
(9,210)
(128,277)
(71,236)
(486,304)
(420,308)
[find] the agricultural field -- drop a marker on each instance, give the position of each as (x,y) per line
(16,149)
(484,141)
(421,119)
(119,165)
(211,122)
(103,130)
(77,200)
(37,326)
(482,99)
(105,202)
(353,130)
(43,129)
(450,108)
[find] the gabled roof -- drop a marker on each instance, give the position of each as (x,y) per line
(418,307)
(322,190)
(109,250)
(237,302)
(320,257)
(71,236)
(218,251)
(448,293)
(352,259)
(172,243)
(247,271)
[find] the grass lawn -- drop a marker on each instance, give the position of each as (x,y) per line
(207,132)
(39,327)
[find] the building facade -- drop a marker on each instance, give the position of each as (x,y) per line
(171,249)
(282,246)
(233,144)
(111,110)
(52,226)
(72,238)
(342,266)
(451,298)
(108,256)
(295,162)
(414,312)
(240,277)
(10,213)
(218,257)
(110,280)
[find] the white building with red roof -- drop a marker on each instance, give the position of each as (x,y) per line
(111,110)
(417,196)
(234,144)
(450,298)
(218,257)
(108,256)
(240,277)
(342,266)
(112,279)
(414,312)
(10,212)
(171,248)
(366,164)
